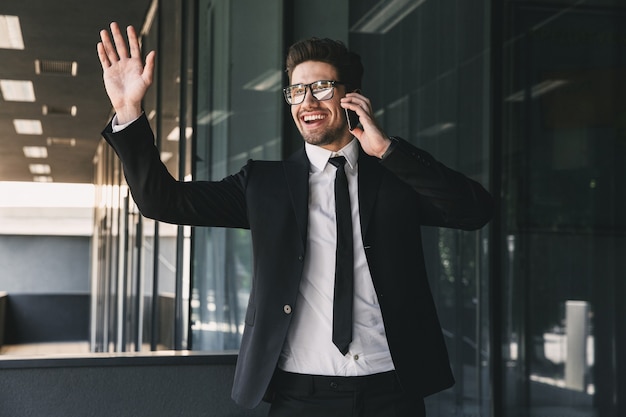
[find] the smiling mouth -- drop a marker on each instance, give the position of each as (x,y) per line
(310,118)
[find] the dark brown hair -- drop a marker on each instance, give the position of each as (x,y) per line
(335,53)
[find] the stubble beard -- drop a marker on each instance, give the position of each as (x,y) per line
(326,137)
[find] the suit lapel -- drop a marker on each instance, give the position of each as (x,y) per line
(297,176)
(370,175)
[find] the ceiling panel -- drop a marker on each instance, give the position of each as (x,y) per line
(66,31)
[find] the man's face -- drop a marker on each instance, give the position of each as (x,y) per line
(321,123)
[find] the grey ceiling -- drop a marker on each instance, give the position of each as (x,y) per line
(58,32)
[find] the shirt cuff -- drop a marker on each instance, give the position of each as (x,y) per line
(115,127)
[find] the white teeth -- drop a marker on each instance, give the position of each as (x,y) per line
(311,117)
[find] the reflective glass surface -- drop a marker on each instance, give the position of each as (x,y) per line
(531,305)
(563,209)
(239,116)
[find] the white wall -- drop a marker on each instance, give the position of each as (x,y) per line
(47,209)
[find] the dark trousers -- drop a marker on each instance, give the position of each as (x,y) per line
(378,395)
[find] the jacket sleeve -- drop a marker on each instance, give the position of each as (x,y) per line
(161,197)
(447,197)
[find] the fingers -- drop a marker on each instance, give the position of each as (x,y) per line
(108,52)
(359,103)
(113,50)
(120,43)
(133,42)
(104,60)
(372,138)
(362,106)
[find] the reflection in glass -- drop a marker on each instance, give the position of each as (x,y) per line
(239,116)
(563,209)
(428,82)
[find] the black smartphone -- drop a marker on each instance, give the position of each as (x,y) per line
(353,119)
(351,116)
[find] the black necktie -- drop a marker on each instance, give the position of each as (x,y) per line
(344,264)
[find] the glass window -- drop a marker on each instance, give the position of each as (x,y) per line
(239,116)
(564,208)
(428,77)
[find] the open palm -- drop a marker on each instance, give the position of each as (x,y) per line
(126,79)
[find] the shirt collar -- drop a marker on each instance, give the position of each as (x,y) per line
(319,156)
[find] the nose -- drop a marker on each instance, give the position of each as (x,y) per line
(309,97)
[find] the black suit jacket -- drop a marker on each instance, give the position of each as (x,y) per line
(397,196)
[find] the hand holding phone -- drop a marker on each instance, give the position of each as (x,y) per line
(372,139)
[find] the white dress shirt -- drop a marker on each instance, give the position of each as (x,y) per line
(309,348)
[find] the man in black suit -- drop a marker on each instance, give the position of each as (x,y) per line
(393,353)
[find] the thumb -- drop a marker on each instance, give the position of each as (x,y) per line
(148,70)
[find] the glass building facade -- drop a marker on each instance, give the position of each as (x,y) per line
(525,97)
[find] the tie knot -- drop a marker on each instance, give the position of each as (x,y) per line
(338,161)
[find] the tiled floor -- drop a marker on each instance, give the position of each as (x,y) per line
(36,349)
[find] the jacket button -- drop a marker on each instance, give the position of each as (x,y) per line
(287,309)
(301,257)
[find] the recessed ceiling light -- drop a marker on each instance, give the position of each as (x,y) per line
(10,32)
(39,169)
(35,151)
(16,90)
(42,178)
(28,127)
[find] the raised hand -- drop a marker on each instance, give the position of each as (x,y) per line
(126,79)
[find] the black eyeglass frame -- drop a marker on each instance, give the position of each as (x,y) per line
(288,97)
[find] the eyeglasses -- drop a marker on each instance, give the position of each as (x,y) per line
(321,90)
